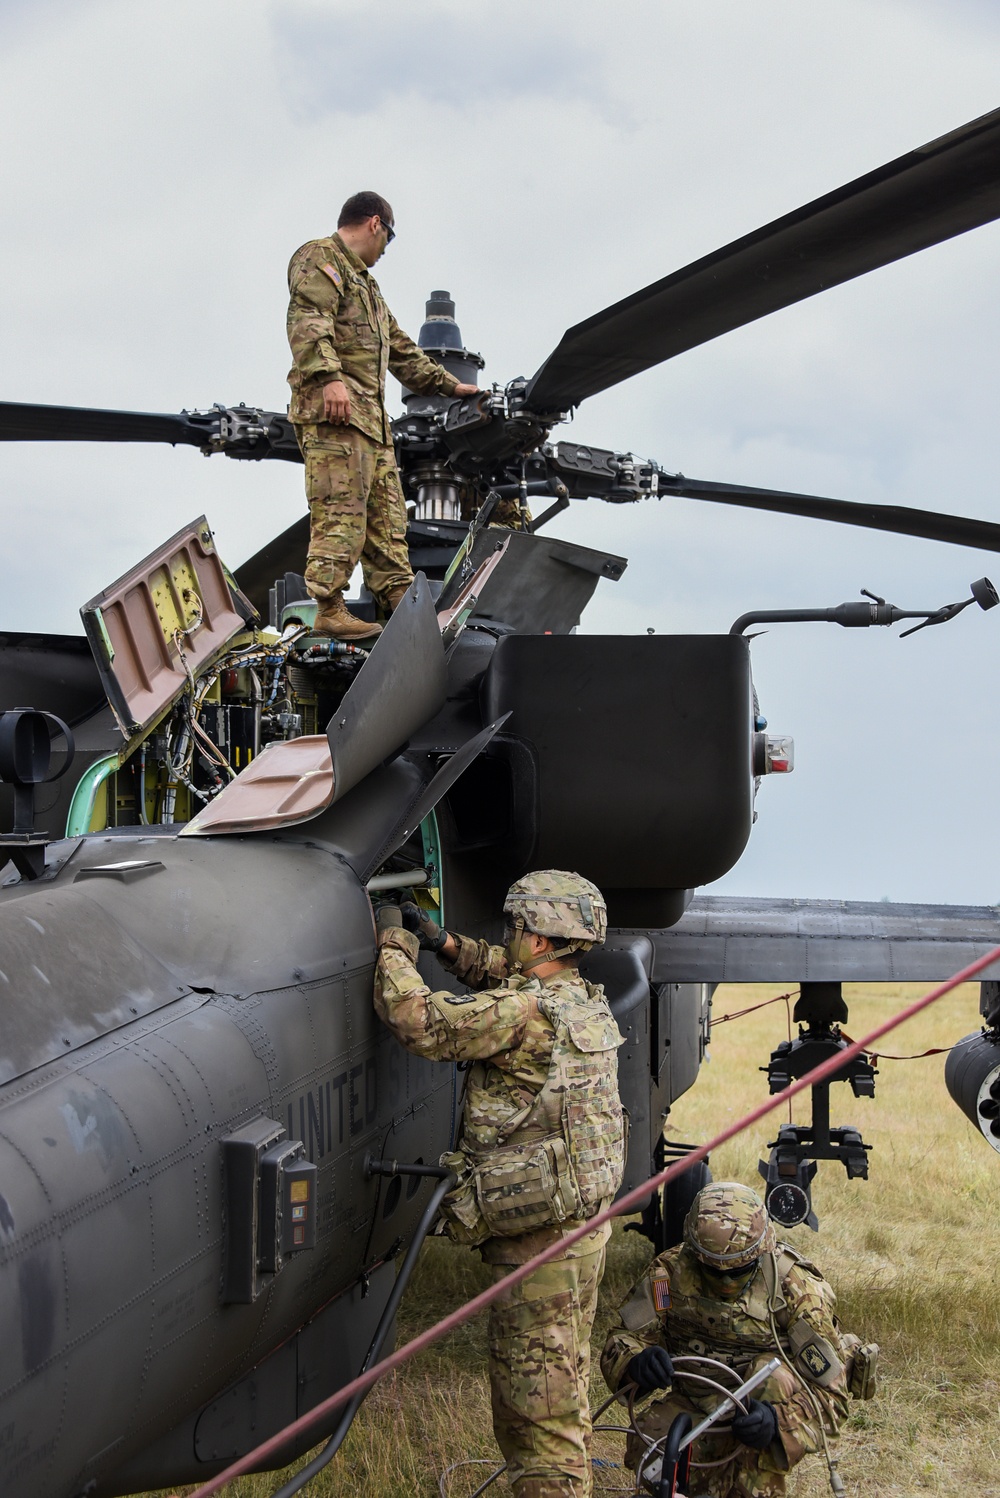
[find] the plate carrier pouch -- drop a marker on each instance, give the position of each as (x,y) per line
(557,1159)
(862,1366)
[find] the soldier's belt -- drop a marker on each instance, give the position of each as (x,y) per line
(514,1190)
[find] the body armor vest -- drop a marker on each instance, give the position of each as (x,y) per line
(532,1158)
(735,1332)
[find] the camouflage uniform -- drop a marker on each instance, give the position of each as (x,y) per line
(539,1331)
(339,328)
(675,1305)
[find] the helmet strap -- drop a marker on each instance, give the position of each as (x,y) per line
(544,957)
(519,929)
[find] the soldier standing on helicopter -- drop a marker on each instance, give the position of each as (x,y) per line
(541,1151)
(730,1291)
(343,339)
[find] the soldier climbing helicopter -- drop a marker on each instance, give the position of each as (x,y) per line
(212,1151)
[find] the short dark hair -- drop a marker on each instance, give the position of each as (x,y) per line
(364,205)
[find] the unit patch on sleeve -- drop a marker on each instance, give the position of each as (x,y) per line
(814,1361)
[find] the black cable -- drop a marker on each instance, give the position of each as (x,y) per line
(333,1445)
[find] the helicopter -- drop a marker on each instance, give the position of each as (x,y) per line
(212,1152)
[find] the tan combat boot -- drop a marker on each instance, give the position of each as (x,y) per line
(395,597)
(333,617)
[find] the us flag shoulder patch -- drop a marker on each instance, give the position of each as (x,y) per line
(661,1295)
(334,275)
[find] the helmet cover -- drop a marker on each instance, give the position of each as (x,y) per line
(556,903)
(727,1227)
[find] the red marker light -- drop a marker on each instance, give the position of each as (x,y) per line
(779,754)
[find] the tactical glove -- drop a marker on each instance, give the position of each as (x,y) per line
(758,1427)
(650,1369)
(386,917)
(432,938)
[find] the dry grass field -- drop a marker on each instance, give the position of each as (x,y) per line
(912,1253)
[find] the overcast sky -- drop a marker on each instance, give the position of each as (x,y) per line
(162,161)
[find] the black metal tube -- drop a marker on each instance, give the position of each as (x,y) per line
(333,1445)
(514,491)
(821,1116)
(394,1168)
(562,503)
(798,616)
(848,615)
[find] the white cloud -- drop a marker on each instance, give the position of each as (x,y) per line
(156,178)
(353,57)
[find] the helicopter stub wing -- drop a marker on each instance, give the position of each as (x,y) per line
(726,939)
(929,195)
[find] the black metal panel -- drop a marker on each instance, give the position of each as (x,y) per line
(85,959)
(734,940)
(56,674)
(541,586)
(685,1019)
(400,686)
(322,1357)
(643,752)
(357,826)
(411,817)
(462,714)
(645,909)
(52,673)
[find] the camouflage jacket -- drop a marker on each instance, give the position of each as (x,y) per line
(504,1031)
(672,1306)
(340,328)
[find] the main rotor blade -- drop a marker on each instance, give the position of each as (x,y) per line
(932,525)
(21,423)
(940,190)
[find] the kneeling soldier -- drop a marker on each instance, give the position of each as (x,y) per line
(541,1151)
(731,1292)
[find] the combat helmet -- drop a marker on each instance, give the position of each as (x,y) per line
(727,1227)
(556,903)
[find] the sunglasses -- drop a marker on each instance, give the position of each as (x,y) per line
(729,1274)
(390,231)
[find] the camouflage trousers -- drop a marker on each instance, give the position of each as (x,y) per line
(539,1336)
(749,1474)
(356,512)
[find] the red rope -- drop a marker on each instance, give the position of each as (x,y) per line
(630,1202)
(938,1050)
(781,998)
(876,1056)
